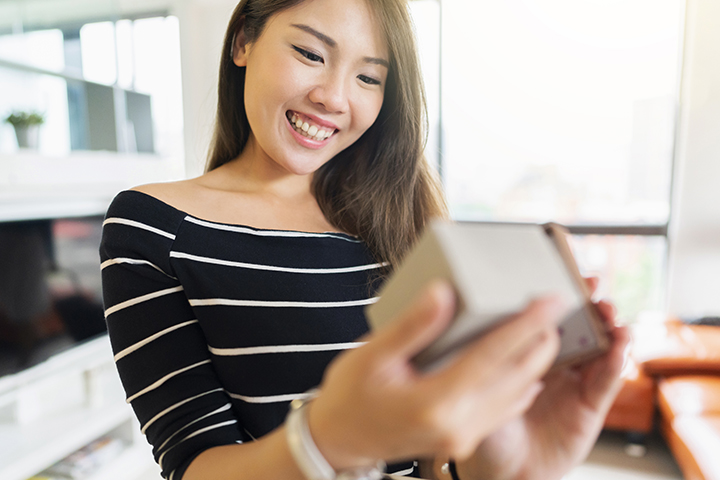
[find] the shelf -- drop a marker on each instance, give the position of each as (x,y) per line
(131,463)
(36,186)
(87,355)
(29,449)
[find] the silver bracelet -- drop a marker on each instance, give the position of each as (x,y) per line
(311,462)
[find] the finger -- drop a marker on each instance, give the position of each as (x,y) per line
(510,393)
(602,377)
(608,313)
(592,284)
(509,410)
(540,357)
(510,341)
(427,317)
(533,364)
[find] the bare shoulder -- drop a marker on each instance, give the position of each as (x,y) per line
(182,194)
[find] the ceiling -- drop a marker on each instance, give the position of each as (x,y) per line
(26,15)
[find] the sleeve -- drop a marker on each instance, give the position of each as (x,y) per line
(160,350)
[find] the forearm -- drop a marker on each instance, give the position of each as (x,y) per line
(435,469)
(267,458)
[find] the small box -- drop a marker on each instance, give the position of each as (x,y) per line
(496,269)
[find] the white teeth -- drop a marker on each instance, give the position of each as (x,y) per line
(309,131)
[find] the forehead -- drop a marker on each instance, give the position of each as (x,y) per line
(351,23)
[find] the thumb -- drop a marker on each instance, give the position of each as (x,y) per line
(428,315)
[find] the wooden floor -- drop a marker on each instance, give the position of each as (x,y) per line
(609,461)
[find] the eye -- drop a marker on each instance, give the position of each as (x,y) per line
(309,55)
(368,80)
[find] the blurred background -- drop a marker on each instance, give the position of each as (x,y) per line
(539,110)
(601,115)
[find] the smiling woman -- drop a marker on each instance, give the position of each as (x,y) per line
(317,80)
(348,73)
(231,295)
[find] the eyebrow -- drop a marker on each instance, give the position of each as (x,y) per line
(333,44)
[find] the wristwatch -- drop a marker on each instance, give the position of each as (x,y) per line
(306,454)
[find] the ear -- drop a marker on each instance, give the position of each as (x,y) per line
(240,46)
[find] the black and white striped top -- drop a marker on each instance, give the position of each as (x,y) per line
(216,327)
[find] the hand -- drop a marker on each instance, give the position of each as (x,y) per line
(560,428)
(375,405)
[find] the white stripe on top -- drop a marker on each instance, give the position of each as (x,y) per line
(164,379)
(133,223)
(133,261)
(149,339)
(141,299)
(194,434)
(403,473)
(272,398)
(279,304)
(327,347)
(173,407)
(266,233)
(224,408)
(272,268)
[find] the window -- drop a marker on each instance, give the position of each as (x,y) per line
(564,110)
(110,85)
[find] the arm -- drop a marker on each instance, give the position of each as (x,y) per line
(159,348)
(373,403)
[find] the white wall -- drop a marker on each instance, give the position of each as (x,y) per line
(694,278)
(202,30)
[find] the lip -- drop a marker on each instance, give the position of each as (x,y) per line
(305,141)
(318,120)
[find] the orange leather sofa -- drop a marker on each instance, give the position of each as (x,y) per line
(682,365)
(690,422)
(634,407)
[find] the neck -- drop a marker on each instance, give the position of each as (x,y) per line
(258,173)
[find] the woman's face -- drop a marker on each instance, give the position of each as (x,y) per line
(314,82)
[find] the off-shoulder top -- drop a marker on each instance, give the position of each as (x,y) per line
(216,327)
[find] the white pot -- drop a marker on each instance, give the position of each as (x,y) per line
(28,136)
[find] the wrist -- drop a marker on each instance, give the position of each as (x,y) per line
(449,470)
(313,462)
(334,441)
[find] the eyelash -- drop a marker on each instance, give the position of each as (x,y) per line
(309,55)
(313,57)
(368,80)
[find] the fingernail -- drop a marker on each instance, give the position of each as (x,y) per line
(556,308)
(443,290)
(538,387)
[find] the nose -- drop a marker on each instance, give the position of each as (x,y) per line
(332,93)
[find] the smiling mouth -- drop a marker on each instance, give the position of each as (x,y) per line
(305,127)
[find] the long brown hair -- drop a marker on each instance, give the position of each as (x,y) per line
(381,188)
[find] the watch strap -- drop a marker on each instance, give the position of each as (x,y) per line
(309,459)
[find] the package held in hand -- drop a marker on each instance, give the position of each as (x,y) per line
(496,269)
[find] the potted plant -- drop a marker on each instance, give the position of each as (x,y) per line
(27,127)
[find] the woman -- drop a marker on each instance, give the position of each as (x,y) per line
(228,295)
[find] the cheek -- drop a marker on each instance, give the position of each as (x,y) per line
(367,111)
(269,85)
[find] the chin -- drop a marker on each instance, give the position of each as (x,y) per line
(305,168)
